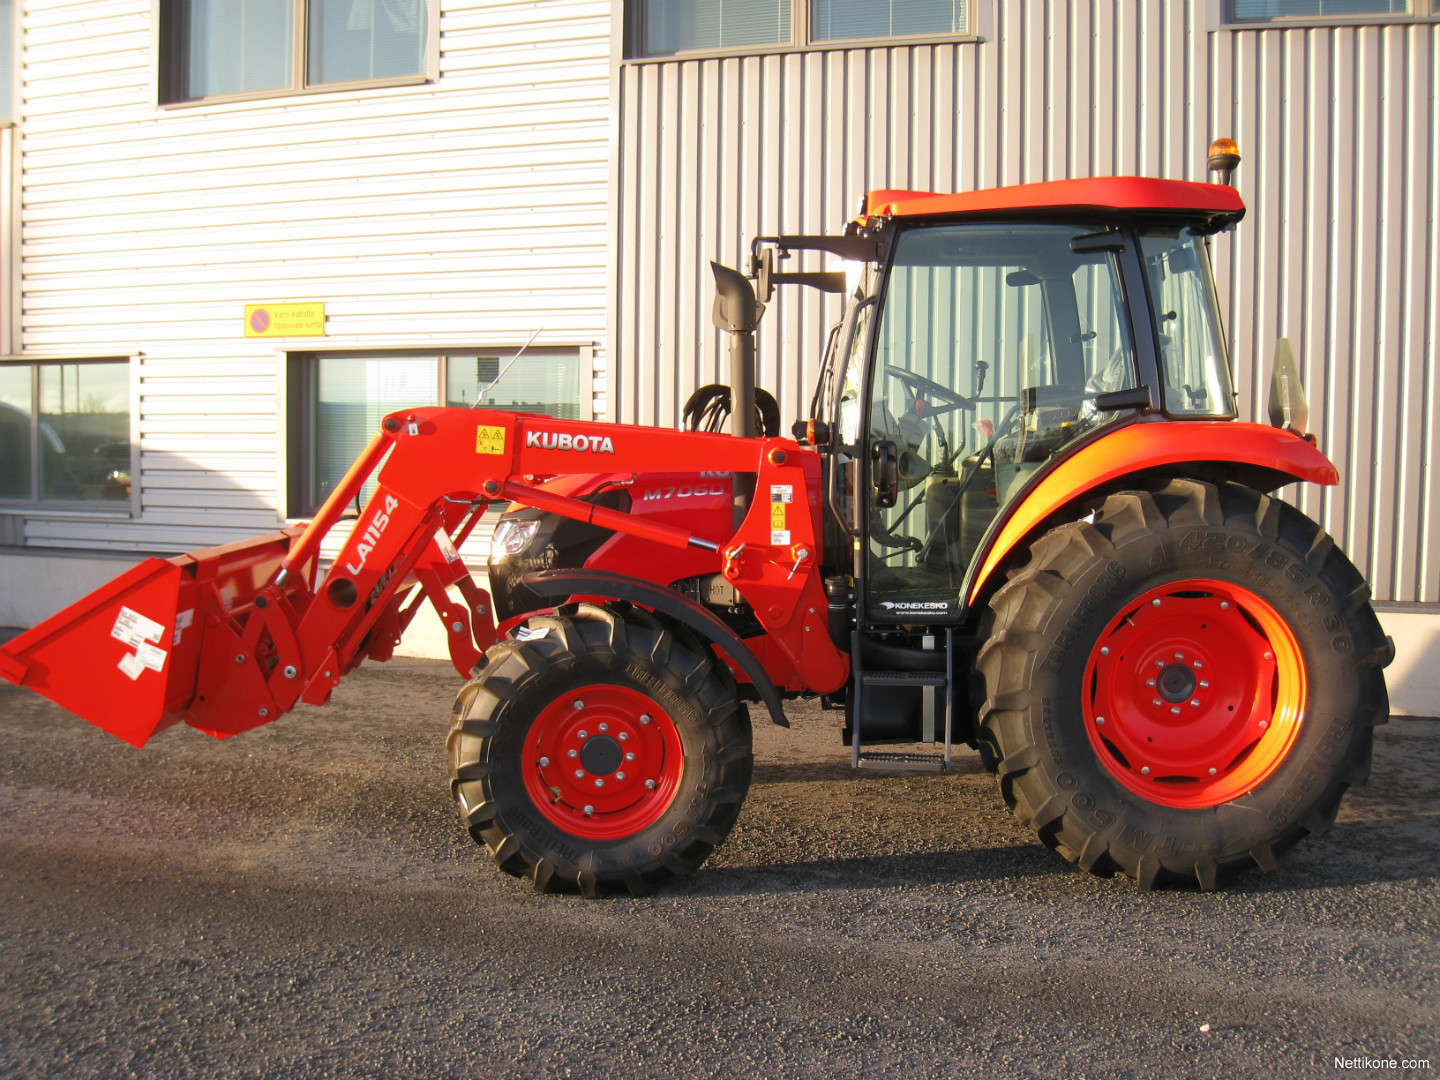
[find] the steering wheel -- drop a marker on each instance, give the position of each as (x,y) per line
(923,388)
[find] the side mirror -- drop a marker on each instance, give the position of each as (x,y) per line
(1288,408)
(885,473)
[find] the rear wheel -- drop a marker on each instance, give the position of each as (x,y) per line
(598,752)
(1183,686)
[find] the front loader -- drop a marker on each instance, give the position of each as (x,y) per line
(1020,515)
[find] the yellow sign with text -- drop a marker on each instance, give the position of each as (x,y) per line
(285,320)
(489,440)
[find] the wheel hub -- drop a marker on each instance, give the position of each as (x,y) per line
(603,762)
(601,755)
(1176,683)
(1194,693)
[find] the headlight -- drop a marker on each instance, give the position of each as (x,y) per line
(510,538)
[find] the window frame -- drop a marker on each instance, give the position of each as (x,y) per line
(34,505)
(169,61)
(1419,11)
(296,459)
(632,36)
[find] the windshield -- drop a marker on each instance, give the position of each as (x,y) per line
(1193,359)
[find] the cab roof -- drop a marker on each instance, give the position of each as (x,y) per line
(1114,194)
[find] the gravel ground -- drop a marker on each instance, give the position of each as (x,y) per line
(301,902)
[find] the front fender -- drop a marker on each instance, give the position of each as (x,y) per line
(1141,447)
(610,585)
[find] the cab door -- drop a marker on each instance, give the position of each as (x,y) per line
(993,341)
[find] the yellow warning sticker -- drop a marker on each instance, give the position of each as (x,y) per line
(489,440)
(777,515)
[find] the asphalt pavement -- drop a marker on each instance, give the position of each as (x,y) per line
(302,902)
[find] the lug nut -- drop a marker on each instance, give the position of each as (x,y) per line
(630,757)
(573,753)
(1145,770)
(1264,724)
(544,761)
(1156,701)
(1198,665)
(579,774)
(1224,606)
(1194,703)
(1149,682)
(1204,685)
(650,784)
(599,783)
(604,727)
(1104,650)
(579,704)
(1175,709)
(589,810)
(1099,719)
(581,734)
(1160,663)
(1155,602)
(619,776)
(1269,656)
(1212,770)
(645,718)
(623,737)
(1179,656)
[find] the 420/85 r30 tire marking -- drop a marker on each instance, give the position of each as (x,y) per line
(1194,693)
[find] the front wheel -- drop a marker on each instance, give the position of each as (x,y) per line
(1184,685)
(598,752)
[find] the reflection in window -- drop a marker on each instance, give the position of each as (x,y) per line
(352,40)
(213,48)
(72,420)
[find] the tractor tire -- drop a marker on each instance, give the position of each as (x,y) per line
(597,752)
(1183,685)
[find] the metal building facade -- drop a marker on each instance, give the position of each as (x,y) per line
(1340,251)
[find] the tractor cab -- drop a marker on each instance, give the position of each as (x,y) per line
(986,346)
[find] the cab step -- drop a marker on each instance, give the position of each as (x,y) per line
(918,762)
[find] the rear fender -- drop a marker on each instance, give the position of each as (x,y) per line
(607,584)
(1260,455)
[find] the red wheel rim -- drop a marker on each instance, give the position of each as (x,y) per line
(603,762)
(1194,694)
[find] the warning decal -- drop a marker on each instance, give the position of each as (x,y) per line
(133,628)
(489,440)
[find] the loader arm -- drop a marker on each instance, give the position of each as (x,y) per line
(231,638)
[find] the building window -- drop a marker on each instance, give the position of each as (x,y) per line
(1242,11)
(65,432)
(337,401)
(7,59)
(229,48)
(833,20)
(671,27)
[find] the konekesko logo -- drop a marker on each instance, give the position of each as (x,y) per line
(915,605)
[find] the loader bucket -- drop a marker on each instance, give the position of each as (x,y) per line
(129,657)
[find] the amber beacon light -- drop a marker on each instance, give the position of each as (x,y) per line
(1224,157)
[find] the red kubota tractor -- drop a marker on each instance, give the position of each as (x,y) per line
(1020,515)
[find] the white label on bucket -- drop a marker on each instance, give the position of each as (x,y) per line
(150,656)
(182,620)
(132,628)
(132,665)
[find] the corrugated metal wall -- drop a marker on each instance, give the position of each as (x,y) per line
(1340,252)
(467,212)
